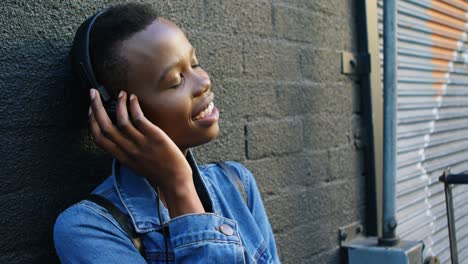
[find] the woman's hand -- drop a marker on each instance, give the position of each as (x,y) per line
(145,148)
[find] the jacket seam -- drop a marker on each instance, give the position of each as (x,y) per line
(106,192)
(110,219)
(207,240)
(204,214)
(260,251)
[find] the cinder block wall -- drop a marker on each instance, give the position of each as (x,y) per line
(287,113)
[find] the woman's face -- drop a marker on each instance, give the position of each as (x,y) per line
(173,90)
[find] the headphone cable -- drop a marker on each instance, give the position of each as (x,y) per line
(162,227)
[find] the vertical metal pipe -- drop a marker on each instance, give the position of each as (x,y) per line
(451,223)
(389,148)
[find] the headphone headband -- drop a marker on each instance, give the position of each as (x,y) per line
(81,58)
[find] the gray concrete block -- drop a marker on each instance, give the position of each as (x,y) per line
(345,163)
(43,157)
(271,60)
(27,208)
(302,241)
(219,54)
(321,65)
(243,16)
(29,254)
(341,16)
(273,138)
(350,25)
(292,98)
(32,91)
(324,131)
(187,14)
(296,170)
(46,170)
(229,145)
(330,7)
(336,201)
(333,256)
(254,99)
(319,29)
(239,99)
(312,98)
(313,219)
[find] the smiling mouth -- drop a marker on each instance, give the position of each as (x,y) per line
(205,112)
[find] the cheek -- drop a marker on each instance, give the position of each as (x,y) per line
(169,114)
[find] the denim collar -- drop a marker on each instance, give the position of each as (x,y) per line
(140,199)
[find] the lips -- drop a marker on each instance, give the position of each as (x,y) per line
(206,112)
(205,108)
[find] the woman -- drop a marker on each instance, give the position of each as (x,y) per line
(180,212)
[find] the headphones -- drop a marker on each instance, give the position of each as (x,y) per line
(82,67)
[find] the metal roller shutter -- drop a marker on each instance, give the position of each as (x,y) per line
(432,114)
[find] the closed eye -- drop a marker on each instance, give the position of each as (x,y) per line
(182,80)
(196,65)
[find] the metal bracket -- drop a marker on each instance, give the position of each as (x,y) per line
(449,181)
(355,64)
(431,260)
(350,232)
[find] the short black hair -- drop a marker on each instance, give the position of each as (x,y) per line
(110,29)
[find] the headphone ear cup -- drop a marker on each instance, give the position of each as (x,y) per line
(111,108)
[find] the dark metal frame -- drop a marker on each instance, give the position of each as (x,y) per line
(449,180)
(368,36)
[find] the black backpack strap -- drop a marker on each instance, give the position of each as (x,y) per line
(236,180)
(124,220)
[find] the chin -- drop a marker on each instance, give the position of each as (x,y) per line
(207,137)
(211,134)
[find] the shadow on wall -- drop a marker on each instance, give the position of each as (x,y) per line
(48,163)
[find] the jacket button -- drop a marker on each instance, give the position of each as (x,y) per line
(226,229)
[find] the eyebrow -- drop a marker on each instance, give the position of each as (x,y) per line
(168,69)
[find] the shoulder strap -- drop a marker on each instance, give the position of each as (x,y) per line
(235,179)
(124,220)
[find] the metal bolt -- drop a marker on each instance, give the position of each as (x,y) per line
(353,62)
(432,260)
(392,224)
(343,235)
(444,175)
(358,229)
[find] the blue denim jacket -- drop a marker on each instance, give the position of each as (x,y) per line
(233,232)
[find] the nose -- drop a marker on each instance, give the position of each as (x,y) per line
(202,83)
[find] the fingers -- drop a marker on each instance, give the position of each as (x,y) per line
(141,122)
(106,128)
(102,141)
(123,120)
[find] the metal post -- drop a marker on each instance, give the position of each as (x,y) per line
(390,84)
(448,180)
(451,223)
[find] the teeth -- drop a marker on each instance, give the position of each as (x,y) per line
(207,111)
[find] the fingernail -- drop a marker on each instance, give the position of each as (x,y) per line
(90,111)
(132,96)
(121,93)
(92,93)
